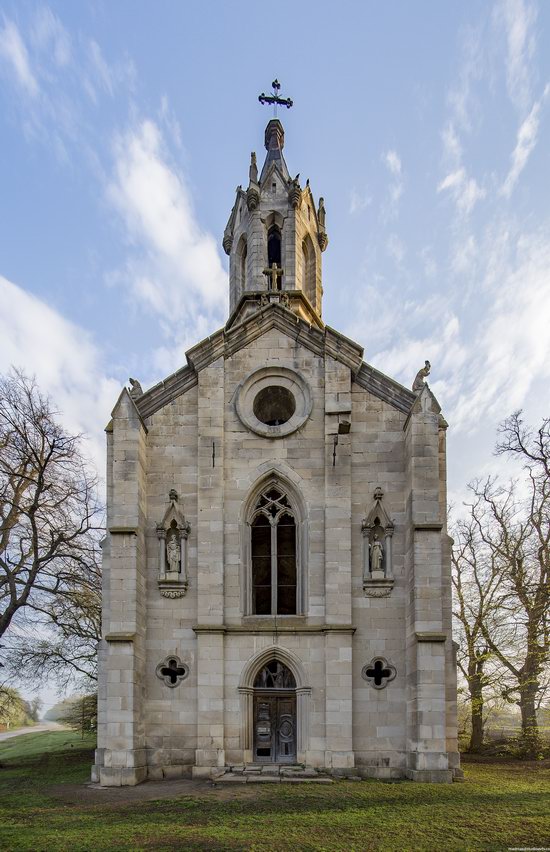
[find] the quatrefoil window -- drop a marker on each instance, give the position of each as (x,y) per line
(172,671)
(378,672)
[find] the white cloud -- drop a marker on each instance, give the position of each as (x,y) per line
(511,345)
(359,201)
(465,190)
(14,52)
(526,142)
(392,162)
(462,100)
(517,18)
(178,272)
(49,34)
(64,359)
(396,249)
(463,260)
(428,262)
(102,70)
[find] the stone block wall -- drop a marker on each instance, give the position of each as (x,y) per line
(198,446)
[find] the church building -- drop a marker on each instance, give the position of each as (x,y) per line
(277,578)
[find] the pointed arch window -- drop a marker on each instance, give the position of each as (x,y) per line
(273,548)
(242,254)
(274,246)
(308,269)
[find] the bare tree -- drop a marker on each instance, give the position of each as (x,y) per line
(473,583)
(60,642)
(49,513)
(80,713)
(512,526)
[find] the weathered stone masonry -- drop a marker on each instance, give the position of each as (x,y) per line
(336,593)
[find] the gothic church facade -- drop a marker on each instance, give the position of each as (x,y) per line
(277,585)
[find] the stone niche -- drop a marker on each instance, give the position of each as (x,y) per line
(173,533)
(377,529)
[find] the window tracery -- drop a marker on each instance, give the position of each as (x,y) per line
(273,537)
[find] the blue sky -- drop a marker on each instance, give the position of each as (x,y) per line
(127,125)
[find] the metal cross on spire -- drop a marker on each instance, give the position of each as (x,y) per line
(275,99)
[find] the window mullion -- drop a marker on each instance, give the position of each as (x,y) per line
(273,569)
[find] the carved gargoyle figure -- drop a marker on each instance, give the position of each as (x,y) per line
(418,383)
(136,390)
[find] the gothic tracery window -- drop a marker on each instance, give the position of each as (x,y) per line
(275,675)
(273,551)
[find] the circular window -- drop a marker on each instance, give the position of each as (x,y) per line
(274,405)
(274,401)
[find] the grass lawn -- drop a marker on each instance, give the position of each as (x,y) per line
(45,805)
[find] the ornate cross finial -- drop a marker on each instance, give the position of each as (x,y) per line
(274,273)
(275,99)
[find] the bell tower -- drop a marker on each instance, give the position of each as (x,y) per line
(275,234)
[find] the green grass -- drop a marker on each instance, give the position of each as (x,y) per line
(30,746)
(500,805)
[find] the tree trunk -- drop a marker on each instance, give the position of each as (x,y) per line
(529,726)
(476,704)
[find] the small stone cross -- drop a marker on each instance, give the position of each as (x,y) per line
(172,671)
(274,272)
(378,672)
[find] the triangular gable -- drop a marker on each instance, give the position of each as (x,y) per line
(321,341)
(269,169)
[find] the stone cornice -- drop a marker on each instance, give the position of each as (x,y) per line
(430,637)
(294,296)
(385,388)
(115,530)
(166,391)
(270,628)
(119,637)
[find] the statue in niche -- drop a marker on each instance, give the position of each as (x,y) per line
(376,555)
(173,553)
(418,383)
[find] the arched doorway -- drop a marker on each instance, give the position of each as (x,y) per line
(274,738)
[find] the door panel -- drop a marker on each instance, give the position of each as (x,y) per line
(264,712)
(274,728)
(285,742)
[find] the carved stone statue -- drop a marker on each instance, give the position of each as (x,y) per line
(136,390)
(173,553)
(321,213)
(418,383)
(253,170)
(376,555)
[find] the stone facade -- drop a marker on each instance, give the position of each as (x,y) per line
(360,461)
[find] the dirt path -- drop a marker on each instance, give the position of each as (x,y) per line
(35,729)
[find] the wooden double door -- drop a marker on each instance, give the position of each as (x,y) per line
(274,727)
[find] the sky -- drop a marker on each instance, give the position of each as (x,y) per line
(425,126)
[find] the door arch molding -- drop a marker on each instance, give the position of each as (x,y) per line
(246,691)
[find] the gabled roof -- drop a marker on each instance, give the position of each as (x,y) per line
(321,341)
